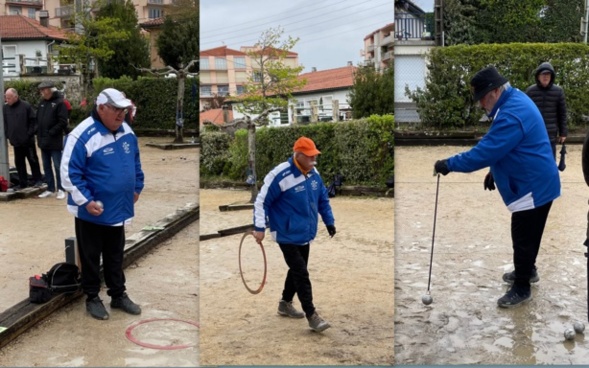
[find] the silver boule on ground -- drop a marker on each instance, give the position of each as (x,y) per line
(569,334)
(578,326)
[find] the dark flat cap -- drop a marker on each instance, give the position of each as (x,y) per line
(46,84)
(486,80)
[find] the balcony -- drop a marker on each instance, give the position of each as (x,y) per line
(28,3)
(411,28)
(64,12)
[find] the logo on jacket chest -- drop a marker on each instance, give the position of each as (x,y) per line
(314,185)
(126,147)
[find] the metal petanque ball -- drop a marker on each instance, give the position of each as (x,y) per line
(99,204)
(579,327)
(427,299)
(569,334)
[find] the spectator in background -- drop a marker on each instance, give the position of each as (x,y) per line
(19,128)
(52,118)
(551,102)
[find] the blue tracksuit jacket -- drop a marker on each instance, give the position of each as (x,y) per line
(518,150)
(290,203)
(100,165)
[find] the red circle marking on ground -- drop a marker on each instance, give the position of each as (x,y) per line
(129,334)
(241,271)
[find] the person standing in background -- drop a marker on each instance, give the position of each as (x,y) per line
(551,102)
(19,127)
(52,121)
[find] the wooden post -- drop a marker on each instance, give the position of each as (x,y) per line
(335,110)
(314,113)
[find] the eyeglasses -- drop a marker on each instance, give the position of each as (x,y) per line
(117,109)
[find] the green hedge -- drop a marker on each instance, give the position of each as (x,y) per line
(360,150)
(155,99)
(446,100)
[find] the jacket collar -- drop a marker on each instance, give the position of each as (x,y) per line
(504,96)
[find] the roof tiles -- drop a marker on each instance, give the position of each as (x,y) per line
(19,27)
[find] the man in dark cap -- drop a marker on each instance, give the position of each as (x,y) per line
(519,154)
(52,118)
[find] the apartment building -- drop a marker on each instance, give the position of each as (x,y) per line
(61,11)
(225,71)
(378,47)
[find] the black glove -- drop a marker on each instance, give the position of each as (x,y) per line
(331,230)
(489,182)
(441,167)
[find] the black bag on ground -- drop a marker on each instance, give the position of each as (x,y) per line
(64,277)
(39,291)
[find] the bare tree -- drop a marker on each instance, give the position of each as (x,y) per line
(181,75)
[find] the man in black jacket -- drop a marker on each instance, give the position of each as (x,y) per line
(551,102)
(19,128)
(52,117)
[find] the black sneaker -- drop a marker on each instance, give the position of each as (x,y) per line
(514,297)
(123,302)
(96,309)
(509,277)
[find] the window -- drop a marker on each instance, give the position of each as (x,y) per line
(154,13)
(222,89)
(204,64)
(257,76)
(220,63)
(240,90)
(14,10)
(31,13)
(205,91)
(239,62)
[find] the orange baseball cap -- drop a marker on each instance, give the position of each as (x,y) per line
(306,146)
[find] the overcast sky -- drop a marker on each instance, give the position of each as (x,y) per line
(330,32)
(425,5)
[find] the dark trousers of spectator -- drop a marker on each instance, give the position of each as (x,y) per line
(23,154)
(55,156)
(527,228)
(297,279)
(94,240)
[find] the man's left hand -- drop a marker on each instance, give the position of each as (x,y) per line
(562,139)
(331,230)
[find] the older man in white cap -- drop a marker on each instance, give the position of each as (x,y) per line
(290,202)
(101,171)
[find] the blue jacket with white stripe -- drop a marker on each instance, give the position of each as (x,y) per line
(98,164)
(518,151)
(290,202)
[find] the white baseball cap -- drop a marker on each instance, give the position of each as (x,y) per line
(113,97)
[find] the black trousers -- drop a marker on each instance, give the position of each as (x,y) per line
(21,155)
(94,240)
(297,278)
(527,228)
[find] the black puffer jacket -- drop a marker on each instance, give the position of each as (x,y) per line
(51,121)
(551,103)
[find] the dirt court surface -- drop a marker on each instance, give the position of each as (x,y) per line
(164,282)
(352,277)
(472,250)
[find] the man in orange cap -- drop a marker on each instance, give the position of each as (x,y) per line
(292,197)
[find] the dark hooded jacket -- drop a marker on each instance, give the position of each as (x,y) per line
(52,118)
(551,103)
